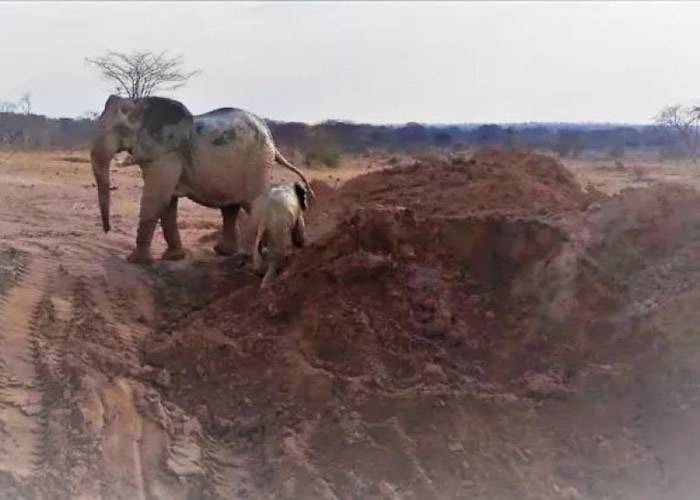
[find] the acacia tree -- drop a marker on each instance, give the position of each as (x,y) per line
(685,121)
(142,73)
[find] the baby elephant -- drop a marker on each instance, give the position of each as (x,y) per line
(279,217)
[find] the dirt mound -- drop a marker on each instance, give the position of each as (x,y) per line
(396,311)
(492,180)
(410,304)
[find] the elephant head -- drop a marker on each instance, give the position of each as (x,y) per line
(147,127)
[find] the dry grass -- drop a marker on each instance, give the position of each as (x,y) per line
(610,178)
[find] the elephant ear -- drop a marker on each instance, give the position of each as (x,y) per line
(163,119)
(164,126)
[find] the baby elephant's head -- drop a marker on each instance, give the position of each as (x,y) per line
(302,195)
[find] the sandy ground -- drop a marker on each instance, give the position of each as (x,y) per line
(494,327)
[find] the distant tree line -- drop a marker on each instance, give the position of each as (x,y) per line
(29,130)
(674,136)
(323,143)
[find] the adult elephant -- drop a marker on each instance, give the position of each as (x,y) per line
(218,159)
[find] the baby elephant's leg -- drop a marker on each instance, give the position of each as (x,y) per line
(275,262)
(276,254)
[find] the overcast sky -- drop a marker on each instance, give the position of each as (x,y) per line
(375,62)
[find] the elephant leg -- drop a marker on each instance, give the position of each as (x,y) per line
(168,222)
(159,181)
(229,234)
(144,237)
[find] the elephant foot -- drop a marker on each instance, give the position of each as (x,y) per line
(174,254)
(140,257)
(226,249)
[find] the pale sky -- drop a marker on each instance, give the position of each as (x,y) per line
(387,62)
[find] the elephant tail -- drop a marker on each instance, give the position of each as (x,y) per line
(279,158)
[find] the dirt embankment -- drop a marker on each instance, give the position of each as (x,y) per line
(476,327)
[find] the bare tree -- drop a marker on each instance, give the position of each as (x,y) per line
(25,103)
(143,73)
(685,121)
(7,107)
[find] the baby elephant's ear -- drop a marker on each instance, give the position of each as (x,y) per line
(301,195)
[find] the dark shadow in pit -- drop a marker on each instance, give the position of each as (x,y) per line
(167,292)
(183,287)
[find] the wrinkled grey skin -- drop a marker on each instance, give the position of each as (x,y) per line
(279,217)
(218,159)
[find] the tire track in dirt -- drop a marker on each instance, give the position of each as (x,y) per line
(117,424)
(21,391)
(134,451)
(228,472)
(126,335)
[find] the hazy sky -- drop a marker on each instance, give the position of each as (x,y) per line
(376,62)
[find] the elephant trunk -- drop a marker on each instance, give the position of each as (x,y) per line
(100,157)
